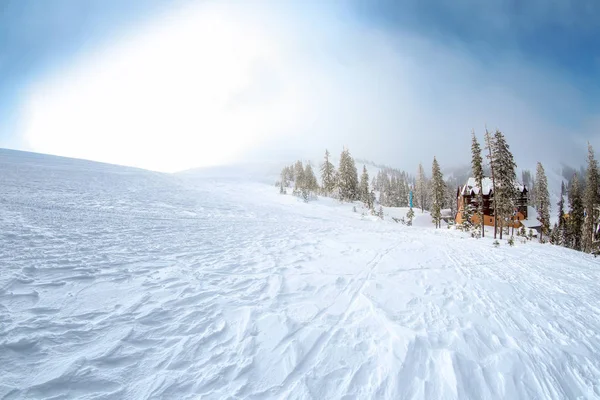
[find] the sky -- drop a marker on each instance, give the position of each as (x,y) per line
(172,85)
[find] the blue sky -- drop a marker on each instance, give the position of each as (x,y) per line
(399,81)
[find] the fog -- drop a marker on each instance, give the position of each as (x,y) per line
(216,83)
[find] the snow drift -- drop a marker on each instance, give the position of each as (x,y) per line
(122,283)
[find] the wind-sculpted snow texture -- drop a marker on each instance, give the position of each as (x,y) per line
(122,283)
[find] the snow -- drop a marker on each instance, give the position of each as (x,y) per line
(123,283)
(471,186)
(487,186)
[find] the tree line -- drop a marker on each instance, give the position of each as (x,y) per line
(390,187)
(577,208)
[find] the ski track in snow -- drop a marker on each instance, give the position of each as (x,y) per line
(121,283)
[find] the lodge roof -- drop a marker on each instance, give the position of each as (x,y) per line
(471,188)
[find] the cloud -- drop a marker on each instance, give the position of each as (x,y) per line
(211,84)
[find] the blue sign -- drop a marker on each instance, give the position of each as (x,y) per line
(410,199)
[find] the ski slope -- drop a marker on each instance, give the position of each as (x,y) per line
(123,283)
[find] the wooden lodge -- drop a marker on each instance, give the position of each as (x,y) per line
(468,194)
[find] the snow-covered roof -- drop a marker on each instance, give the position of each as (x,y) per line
(531,223)
(487,186)
(446,212)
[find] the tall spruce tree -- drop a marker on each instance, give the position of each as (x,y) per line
(477,169)
(421,188)
(298,177)
(347,177)
(327,175)
(437,193)
(561,226)
(365,193)
(575,220)
(505,178)
(590,200)
(542,200)
(310,180)
(489,145)
(385,195)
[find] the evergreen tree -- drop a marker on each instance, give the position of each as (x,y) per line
(437,193)
(365,193)
(477,169)
(575,221)
(403,193)
(505,177)
(384,195)
(542,200)
(489,144)
(555,235)
(409,217)
(298,177)
(561,226)
(421,188)
(327,175)
(590,200)
(310,182)
(347,177)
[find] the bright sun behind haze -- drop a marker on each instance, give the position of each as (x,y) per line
(169,97)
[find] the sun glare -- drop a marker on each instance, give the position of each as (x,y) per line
(162,99)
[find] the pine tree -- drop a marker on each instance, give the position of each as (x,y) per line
(384,195)
(327,175)
(590,200)
(505,177)
(298,177)
(310,182)
(421,188)
(575,221)
(542,199)
(409,217)
(489,144)
(437,193)
(477,169)
(347,177)
(403,193)
(561,226)
(365,193)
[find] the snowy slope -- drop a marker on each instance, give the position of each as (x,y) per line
(121,283)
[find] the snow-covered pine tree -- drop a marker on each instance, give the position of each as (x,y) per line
(477,169)
(393,194)
(505,178)
(542,200)
(298,177)
(347,177)
(402,193)
(575,220)
(555,235)
(365,193)
(489,145)
(327,175)
(385,195)
(311,185)
(421,188)
(592,183)
(409,216)
(437,193)
(561,226)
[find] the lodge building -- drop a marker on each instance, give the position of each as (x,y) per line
(468,194)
